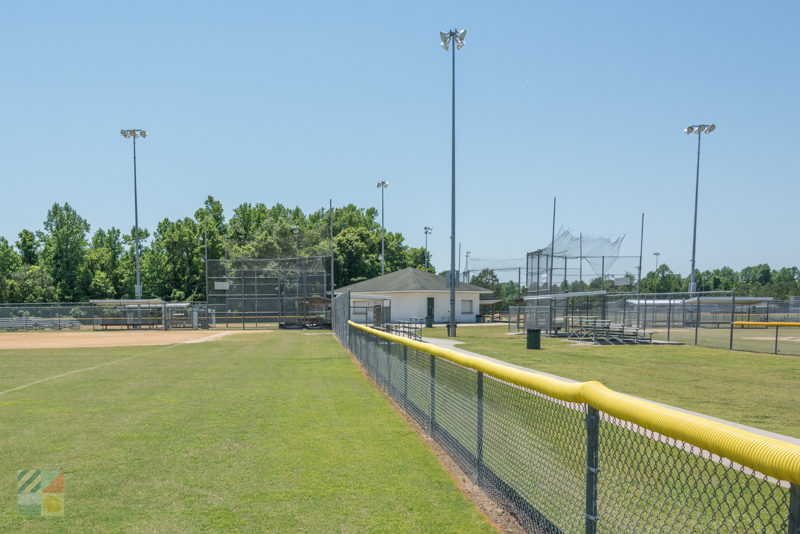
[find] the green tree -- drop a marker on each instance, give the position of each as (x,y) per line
(211,226)
(31,283)
(105,256)
(487,279)
(418,258)
(28,246)
(354,256)
(10,261)
(64,251)
(174,260)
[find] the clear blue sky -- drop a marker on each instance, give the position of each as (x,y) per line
(297,102)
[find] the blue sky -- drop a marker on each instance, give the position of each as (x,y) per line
(297,102)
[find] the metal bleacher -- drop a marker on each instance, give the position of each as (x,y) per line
(30,324)
(596,330)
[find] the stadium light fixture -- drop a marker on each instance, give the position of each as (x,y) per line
(457,36)
(383,184)
(134,134)
(698,129)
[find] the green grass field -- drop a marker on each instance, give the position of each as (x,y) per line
(753,339)
(759,390)
(263,432)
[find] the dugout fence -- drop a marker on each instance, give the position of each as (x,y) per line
(129,314)
(707,319)
(566,457)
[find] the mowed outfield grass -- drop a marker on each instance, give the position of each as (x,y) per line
(265,432)
(754,389)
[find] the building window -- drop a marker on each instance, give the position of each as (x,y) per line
(466,306)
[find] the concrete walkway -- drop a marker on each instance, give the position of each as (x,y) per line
(453,344)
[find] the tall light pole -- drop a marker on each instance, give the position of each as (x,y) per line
(656,254)
(383,184)
(698,129)
(428,231)
(457,36)
(133,134)
(641,248)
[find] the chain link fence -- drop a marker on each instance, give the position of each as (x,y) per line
(562,465)
(254,293)
(22,317)
(707,319)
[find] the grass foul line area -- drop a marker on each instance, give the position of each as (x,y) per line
(263,432)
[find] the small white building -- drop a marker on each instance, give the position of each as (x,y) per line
(417,294)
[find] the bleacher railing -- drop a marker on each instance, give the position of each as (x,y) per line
(578,457)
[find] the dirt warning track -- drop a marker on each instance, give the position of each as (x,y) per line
(124,338)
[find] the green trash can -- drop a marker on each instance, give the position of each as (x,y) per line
(534,338)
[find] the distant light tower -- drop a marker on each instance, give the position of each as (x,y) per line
(656,254)
(698,129)
(466,267)
(457,36)
(133,134)
(428,231)
(383,184)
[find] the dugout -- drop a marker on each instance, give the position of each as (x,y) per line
(130,314)
(313,312)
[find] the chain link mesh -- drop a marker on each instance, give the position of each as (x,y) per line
(550,462)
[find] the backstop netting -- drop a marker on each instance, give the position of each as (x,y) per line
(253,292)
(579,258)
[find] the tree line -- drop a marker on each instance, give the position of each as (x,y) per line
(65,262)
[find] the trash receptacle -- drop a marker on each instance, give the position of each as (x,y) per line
(429,321)
(534,338)
(478,318)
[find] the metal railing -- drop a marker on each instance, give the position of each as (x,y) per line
(412,329)
(577,457)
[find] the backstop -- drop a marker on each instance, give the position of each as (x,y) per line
(261,292)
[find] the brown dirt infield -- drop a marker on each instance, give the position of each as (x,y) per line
(119,338)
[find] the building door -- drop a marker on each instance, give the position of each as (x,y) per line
(430,307)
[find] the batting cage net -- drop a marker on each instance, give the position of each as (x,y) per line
(578,457)
(253,292)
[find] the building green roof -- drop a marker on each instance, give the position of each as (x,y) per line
(408,279)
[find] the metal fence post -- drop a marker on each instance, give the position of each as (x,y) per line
(405,377)
(697,319)
(433,394)
(733,317)
(389,367)
(669,316)
(776,339)
(592,439)
(794,509)
(479,431)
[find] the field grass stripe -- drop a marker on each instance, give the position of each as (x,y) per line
(62,375)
